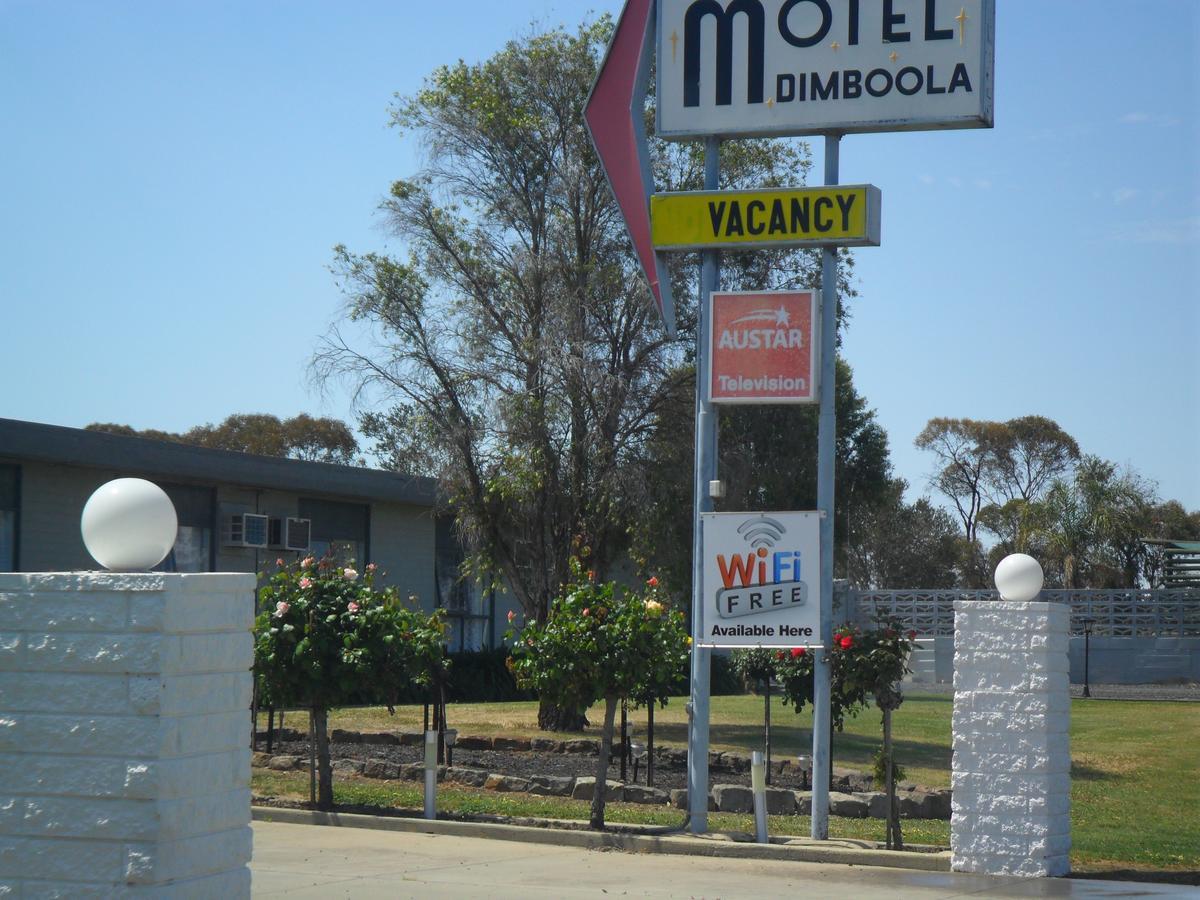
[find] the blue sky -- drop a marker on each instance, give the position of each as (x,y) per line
(174,175)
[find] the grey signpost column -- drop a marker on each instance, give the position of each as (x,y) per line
(706,471)
(826,445)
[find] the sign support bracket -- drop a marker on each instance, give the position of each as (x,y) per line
(706,471)
(826,448)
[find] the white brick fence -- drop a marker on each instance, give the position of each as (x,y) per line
(1012,763)
(124,734)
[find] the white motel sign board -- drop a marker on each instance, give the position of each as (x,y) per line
(786,67)
(761,579)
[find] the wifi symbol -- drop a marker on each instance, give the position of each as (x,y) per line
(761,532)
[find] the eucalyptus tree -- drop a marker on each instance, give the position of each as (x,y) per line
(512,350)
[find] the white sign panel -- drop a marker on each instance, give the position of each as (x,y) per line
(761,579)
(779,67)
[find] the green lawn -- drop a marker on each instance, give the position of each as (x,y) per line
(1135,768)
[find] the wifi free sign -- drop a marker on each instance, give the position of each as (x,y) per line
(762,347)
(761,579)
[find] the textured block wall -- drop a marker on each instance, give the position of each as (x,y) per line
(1012,763)
(125,734)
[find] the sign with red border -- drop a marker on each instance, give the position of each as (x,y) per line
(763,347)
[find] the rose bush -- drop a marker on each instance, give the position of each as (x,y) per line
(866,666)
(325,632)
(603,642)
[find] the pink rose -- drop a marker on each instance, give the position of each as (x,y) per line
(306,563)
(305,583)
(352,606)
(511,616)
(279,562)
(281,608)
(349,574)
(371,567)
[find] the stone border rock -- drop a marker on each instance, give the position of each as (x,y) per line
(729,798)
(718,761)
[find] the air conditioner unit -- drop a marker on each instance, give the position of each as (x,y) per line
(290,533)
(246,530)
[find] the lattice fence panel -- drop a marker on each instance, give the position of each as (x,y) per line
(1115,613)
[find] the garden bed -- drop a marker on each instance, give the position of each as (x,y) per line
(568,769)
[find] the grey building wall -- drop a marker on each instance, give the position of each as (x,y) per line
(400,542)
(52,499)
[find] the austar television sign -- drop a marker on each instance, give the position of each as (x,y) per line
(762,347)
(780,67)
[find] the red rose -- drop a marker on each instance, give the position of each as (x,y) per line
(653,582)
(912,635)
(847,642)
(797,652)
(781,655)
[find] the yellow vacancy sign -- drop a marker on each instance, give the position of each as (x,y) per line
(842,215)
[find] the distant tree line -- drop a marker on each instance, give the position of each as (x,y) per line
(300,437)
(1026,484)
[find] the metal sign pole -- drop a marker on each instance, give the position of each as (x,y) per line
(826,445)
(706,471)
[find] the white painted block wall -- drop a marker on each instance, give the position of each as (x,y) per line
(1012,763)
(125,734)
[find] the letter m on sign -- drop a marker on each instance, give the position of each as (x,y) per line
(693,19)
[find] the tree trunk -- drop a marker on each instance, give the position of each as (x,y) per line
(324,769)
(606,738)
(559,718)
(894,839)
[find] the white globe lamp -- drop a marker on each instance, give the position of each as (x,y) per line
(1018,578)
(129,525)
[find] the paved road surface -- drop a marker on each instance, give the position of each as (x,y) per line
(314,861)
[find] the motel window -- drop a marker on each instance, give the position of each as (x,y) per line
(339,530)
(195,509)
(10,508)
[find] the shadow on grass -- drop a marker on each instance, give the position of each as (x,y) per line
(1083,772)
(855,750)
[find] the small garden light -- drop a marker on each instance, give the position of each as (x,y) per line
(449,736)
(1087,622)
(638,751)
(804,763)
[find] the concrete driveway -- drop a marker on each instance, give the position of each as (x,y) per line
(323,861)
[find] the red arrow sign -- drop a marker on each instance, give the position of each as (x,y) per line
(615,117)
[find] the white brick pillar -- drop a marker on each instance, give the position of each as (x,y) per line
(1012,762)
(125,734)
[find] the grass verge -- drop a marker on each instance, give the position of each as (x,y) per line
(355,790)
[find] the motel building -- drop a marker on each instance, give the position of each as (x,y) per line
(239,512)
